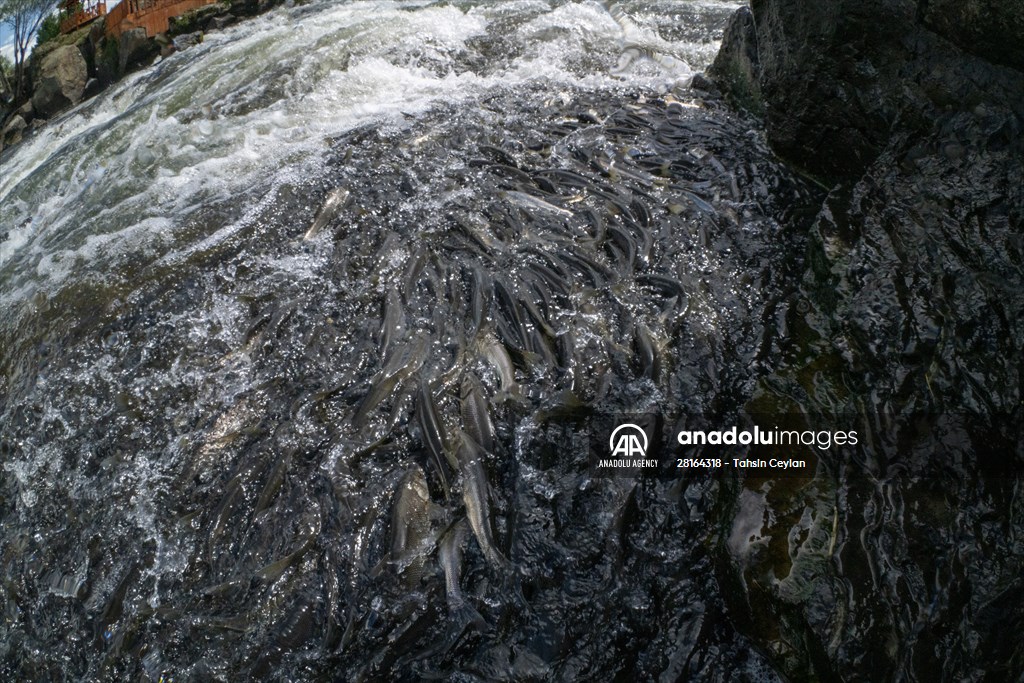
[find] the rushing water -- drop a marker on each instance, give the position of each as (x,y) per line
(255,295)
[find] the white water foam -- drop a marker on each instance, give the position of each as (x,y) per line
(121,174)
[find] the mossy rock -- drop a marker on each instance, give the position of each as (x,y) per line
(195,20)
(76,37)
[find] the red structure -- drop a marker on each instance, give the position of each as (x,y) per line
(152,15)
(80,12)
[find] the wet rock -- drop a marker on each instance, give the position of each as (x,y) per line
(167,47)
(993,30)
(736,65)
(187,40)
(83,41)
(835,78)
(136,48)
(910,317)
(97,32)
(25,111)
(59,81)
(12,130)
(92,87)
(220,22)
(197,19)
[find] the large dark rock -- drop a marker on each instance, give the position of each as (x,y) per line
(136,49)
(834,78)
(901,563)
(993,30)
(59,81)
(196,19)
(737,65)
(187,40)
(97,32)
(11,133)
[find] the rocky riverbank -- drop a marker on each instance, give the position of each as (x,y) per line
(73,67)
(911,113)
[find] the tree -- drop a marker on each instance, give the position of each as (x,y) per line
(49,29)
(23,17)
(6,71)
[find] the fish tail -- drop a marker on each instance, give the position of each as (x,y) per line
(463,614)
(499,561)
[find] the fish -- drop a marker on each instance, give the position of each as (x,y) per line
(414,268)
(558,282)
(599,275)
(273,571)
(411,538)
(539,319)
(293,629)
(479,298)
(528,201)
(476,496)
(393,325)
(114,608)
(433,433)
(336,200)
(625,243)
(449,555)
(497,355)
(668,286)
(647,354)
(635,45)
(230,502)
(477,232)
(391,376)
(273,483)
(475,418)
(700,203)
(510,314)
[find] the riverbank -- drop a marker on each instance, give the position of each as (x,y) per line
(76,66)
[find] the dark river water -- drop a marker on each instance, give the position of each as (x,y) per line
(303,330)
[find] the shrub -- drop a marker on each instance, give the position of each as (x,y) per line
(49,29)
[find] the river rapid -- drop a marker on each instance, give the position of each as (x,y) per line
(296,325)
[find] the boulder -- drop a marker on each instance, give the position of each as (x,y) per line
(993,30)
(136,48)
(11,133)
(736,65)
(196,19)
(60,81)
(97,32)
(187,40)
(913,114)
(220,22)
(832,78)
(108,61)
(25,111)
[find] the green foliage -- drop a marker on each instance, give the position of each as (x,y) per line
(49,29)
(23,18)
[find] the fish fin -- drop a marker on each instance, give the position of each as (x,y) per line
(511,395)
(378,568)
(500,562)
(462,614)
